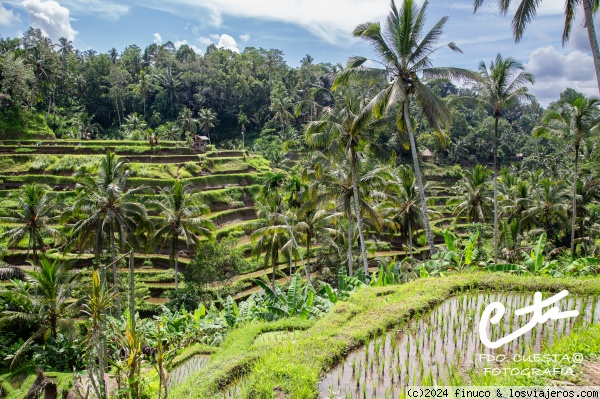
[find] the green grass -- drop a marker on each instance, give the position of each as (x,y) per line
(191,351)
(297,367)
(16,384)
(581,341)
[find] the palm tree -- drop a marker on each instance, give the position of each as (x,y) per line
(577,118)
(281,106)
(402,205)
(187,123)
(133,123)
(548,210)
(588,192)
(170,84)
(107,209)
(473,195)
(340,132)
(99,301)
(180,219)
(270,234)
(207,119)
(45,299)
(33,216)
(502,84)
(406,55)
(141,89)
(528,9)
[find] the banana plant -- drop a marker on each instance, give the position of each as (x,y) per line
(298,301)
(533,264)
(453,258)
(346,286)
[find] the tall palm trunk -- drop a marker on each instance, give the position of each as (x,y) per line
(361,236)
(114,265)
(496,118)
(34,247)
(574,200)
(413,147)
(410,247)
(350,259)
(175,244)
(274,258)
(589,22)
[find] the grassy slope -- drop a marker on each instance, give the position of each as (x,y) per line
(296,366)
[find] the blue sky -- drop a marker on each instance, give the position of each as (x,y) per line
(321,28)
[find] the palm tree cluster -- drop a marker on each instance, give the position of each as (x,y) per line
(109,217)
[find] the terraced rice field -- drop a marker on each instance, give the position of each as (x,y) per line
(442,347)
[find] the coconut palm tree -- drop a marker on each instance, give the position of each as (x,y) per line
(588,193)
(548,210)
(405,53)
(45,298)
(402,206)
(133,124)
(576,119)
(142,89)
(181,219)
(502,84)
(473,195)
(107,210)
(34,215)
(528,9)
(207,119)
(270,234)
(339,132)
(187,123)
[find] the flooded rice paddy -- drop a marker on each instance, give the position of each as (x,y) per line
(443,345)
(185,370)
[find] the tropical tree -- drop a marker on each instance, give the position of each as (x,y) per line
(142,89)
(588,193)
(34,216)
(527,10)
(502,84)
(576,119)
(207,119)
(548,210)
(134,125)
(107,209)
(340,132)
(270,234)
(45,301)
(281,105)
(187,123)
(99,301)
(406,54)
(401,206)
(181,219)
(473,195)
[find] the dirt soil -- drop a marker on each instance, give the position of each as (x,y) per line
(591,372)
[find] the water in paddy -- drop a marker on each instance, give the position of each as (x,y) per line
(185,370)
(444,343)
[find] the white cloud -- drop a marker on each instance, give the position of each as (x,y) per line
(96,8)
(214,37)
(8,17)
(228,42)
(205,41)
(157,38)
(331,20)
(555,71)
(245,37)
(179,43)
(52,18)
